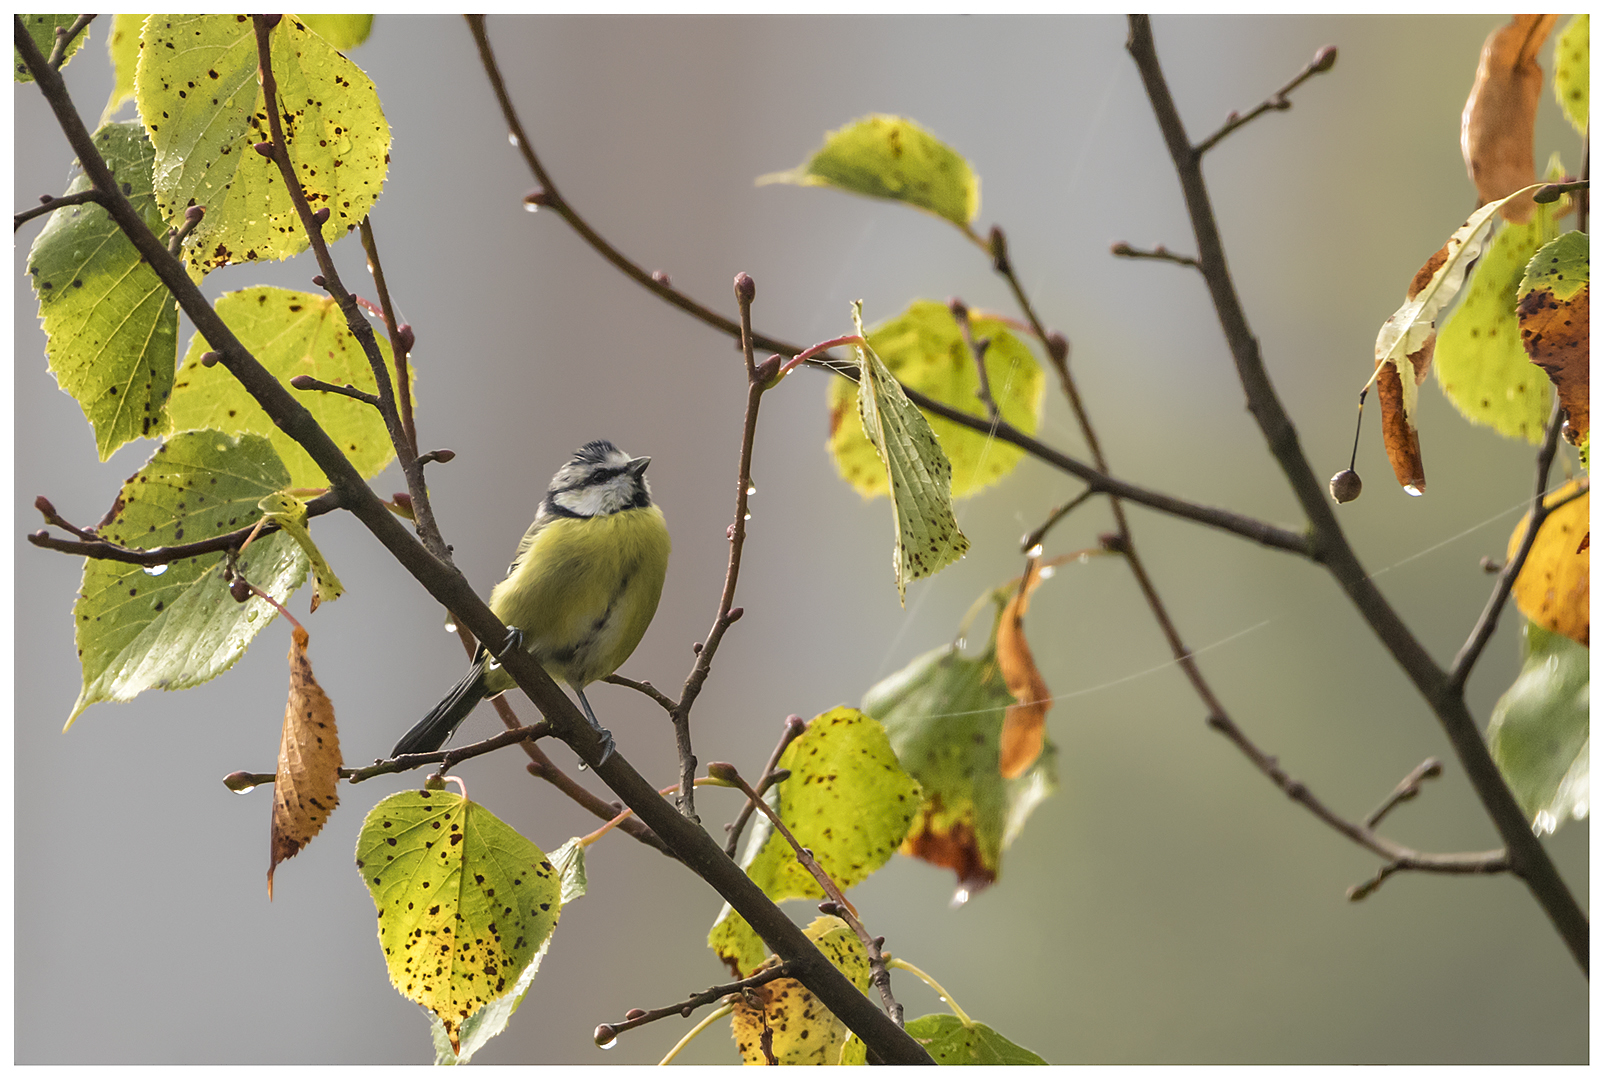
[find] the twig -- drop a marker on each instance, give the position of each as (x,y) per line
(1036,536)
(1551,192)
(50,203)
(977,349)
(1161,253)
(1329,546)
(278,150)
(176,237)
(93,547)
(757,380)
(1323,61)
(1407,789)
(447,586)
(667,703)
(838,904)
(606,1033)
(1482,632)
(794,726)
(306,382)
(401,336)
(448,759)
(65,36)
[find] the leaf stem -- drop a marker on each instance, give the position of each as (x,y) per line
(963,1017)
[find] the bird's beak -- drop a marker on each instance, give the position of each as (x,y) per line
(638,465)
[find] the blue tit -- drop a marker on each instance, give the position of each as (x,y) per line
(580,592)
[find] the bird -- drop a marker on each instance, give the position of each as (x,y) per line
(579,594)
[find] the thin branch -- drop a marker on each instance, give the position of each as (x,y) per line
(278,151)
(447,585)
(92,547)
(667,703)
(1323,61)
(306,382)
(65,36)
(1527,857)
(1161,253)
(606,1033)
(1551,192)
(757,381)
(1482,632)
(724,772)
(1407,789)
(401,336)
(977,350)
(1036,536)
(772,774)
(50,203)
(448,759)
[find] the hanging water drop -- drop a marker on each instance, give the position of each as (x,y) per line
(1034,553)
(1046,572)
(749,515)
(532,207)
(609,1044)
(156,571)
(751,489)
(451,626)
(1413,490)
(960,897)
(512,139)
(243,790)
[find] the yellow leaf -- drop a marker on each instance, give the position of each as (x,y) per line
(1552,587)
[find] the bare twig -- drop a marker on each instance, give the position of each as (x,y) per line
(1323,61)
(1329,546)
(1487,622)
(667,703)
(401,337)
(838,903)
(977,349)
(1161,253)
(1036,536)
(50,203)
(448,759)
(306,382)
(1407,789)
(606,1033)
(93,547)
(794,726)
(65,36)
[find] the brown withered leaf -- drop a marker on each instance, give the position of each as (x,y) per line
(1398,430)
(1025,723)
(306,787)
(1496,131)
(1551,590)
(1554,317)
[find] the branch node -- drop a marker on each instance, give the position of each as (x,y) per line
(264,148)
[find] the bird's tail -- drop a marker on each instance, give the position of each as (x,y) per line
(431,733)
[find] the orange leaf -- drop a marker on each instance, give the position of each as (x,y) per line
(1496,132)
(1554,332)
(1025,722)
(306,788)
(1552,587)
(1398,429)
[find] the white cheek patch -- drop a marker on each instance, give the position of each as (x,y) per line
(596,500)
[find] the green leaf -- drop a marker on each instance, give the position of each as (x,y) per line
(177,626)
(919,475)
(944,716)
(1571,54)
(891,157)
(465,903)
(112,326)
(801,1030)
(42,28)
(1539,730)
(924,348)
(1560,266)
(292,334)
(198,93)
(846,800)
(289,514)
(492,1020)
(123,46)
(341,31)
(1480,362)
(951,1042)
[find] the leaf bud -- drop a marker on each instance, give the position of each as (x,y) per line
(735,613)
(745,287)
(1112,542)
(606,1034)
(829,907)
(406,337)
(959,309)
(1546,194)
(403,504)
(320,216)
(240,590)
(44,506)
(303,382)
(768,370)
(194,214)
(210,359)
(536,199)
(47,199)
(722,772)
(661,279)
(271,20)
(998,243)
(1057,346)
(441,455)
(634,1014)
(1345,486)
(319,280)
(1325,59)
(240,782)
(265,149)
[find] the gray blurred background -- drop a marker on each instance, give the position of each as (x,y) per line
(1168,905)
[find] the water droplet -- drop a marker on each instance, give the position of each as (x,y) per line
(749,515)
(1046,572)
(963,643)
(586,768)
(960,897)
(1084,558)
(451,626)
(512,140)
(156,571)
(751,489)
(610,1043)
(1034,553)
(1544,823)
(532,207)
(243,790)
(1411,489)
